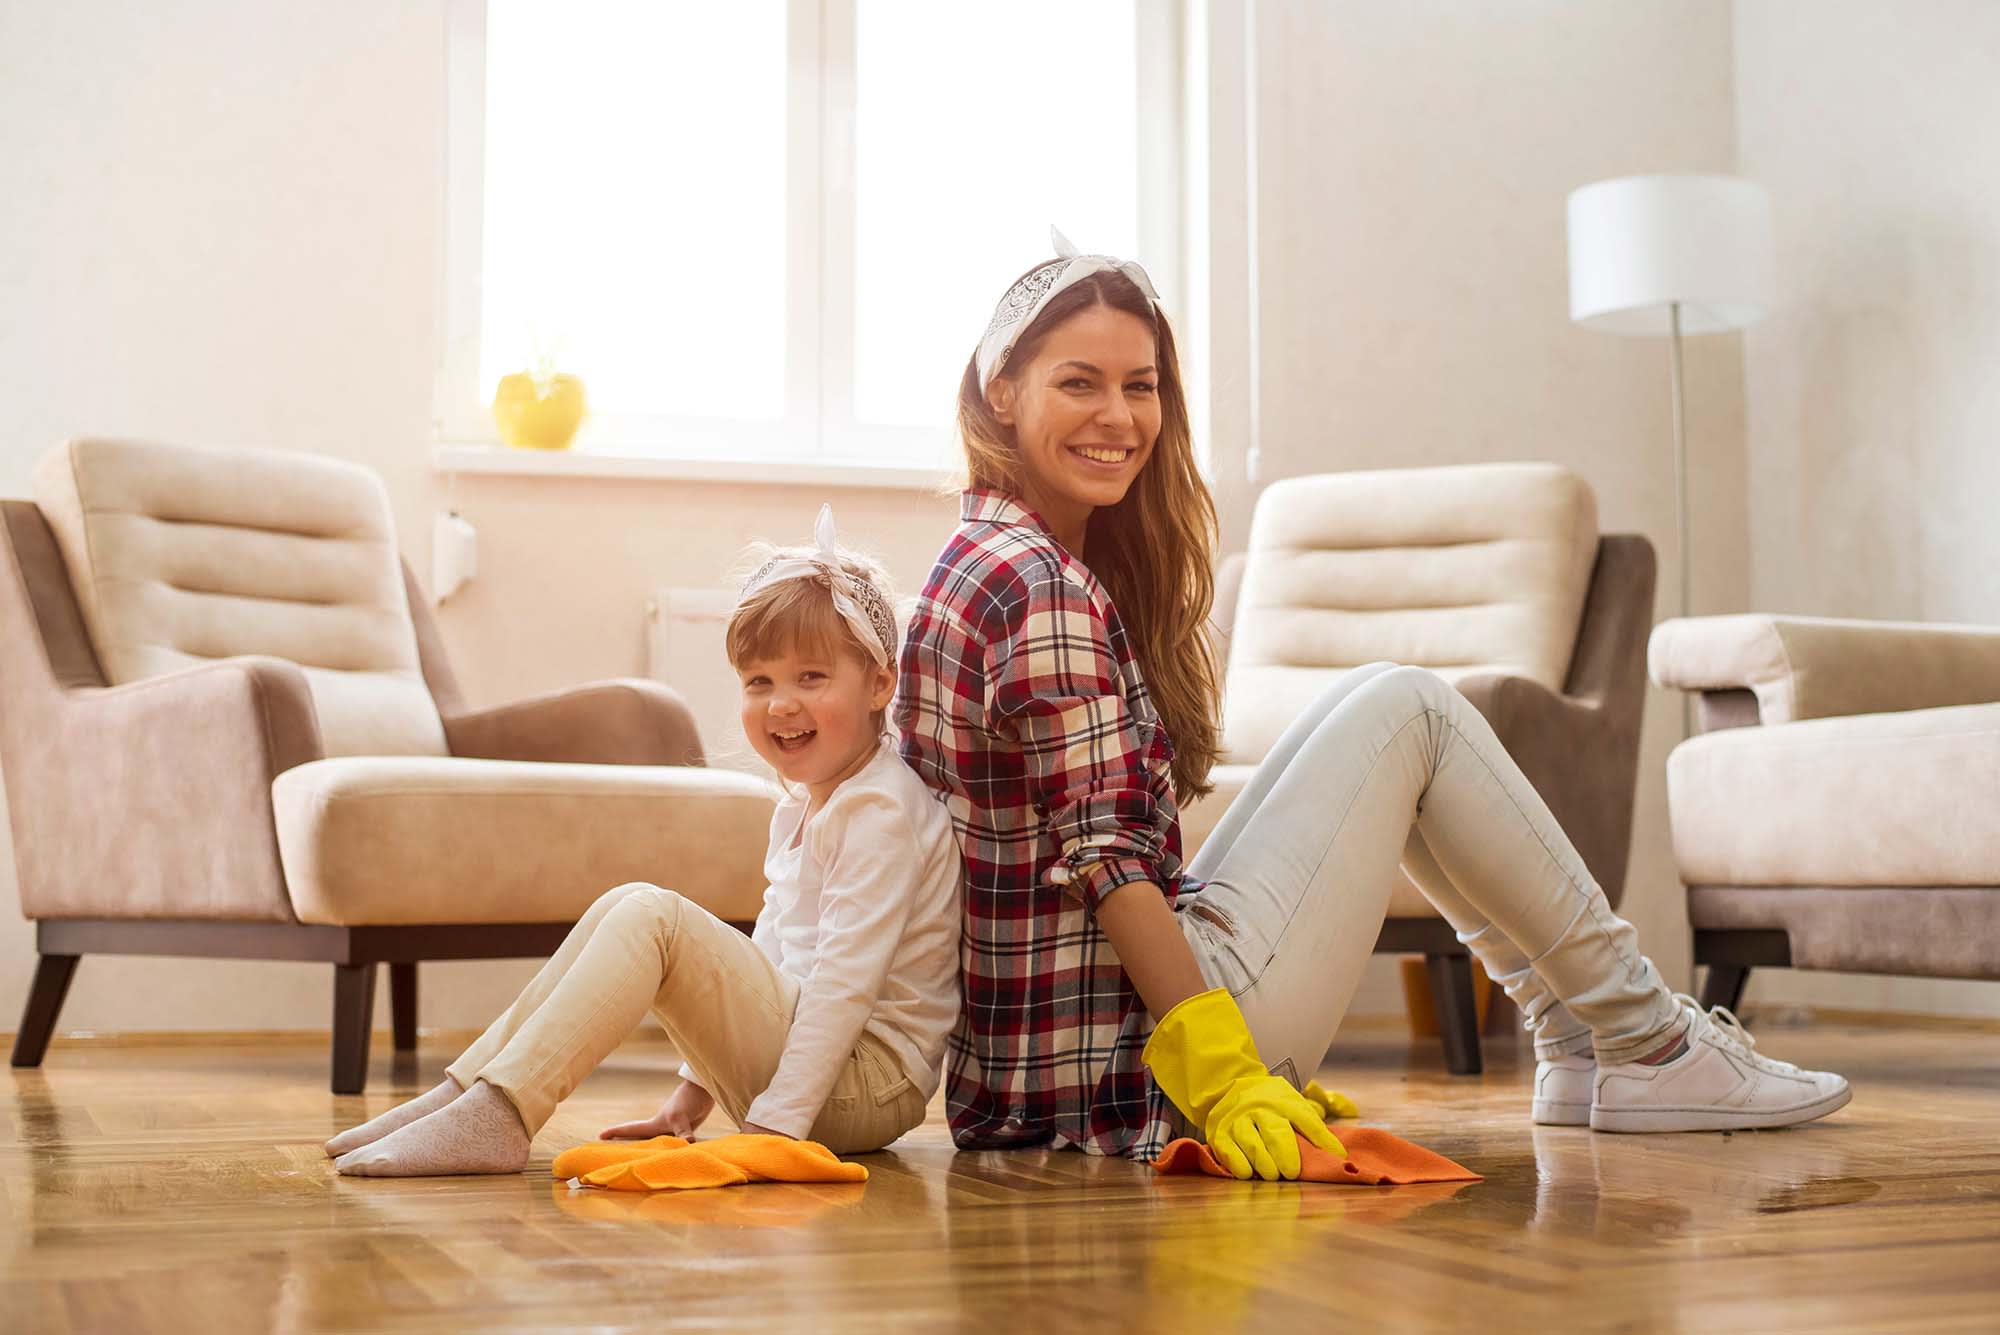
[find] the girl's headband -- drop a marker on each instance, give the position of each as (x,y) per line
(855,597)
(1025,300)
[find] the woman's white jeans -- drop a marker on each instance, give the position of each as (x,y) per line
(1393,766)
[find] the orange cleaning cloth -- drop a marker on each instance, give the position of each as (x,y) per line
(668,1162)
(1374,1159)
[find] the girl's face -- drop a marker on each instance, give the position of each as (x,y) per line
(811,713)
(1085,413)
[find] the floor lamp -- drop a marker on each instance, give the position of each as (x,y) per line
(1671,255)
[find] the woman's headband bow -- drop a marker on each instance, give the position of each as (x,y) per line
(1025,300)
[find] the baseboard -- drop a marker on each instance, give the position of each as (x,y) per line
(1784,1014)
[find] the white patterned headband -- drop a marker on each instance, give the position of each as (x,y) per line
(860,604)
(1025,300)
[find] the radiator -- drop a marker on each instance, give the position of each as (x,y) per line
(684,630)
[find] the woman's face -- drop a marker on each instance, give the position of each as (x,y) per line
(1086,414)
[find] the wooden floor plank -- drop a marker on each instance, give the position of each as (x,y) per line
(181,1186)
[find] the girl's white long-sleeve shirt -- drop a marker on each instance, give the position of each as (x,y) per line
(863,911)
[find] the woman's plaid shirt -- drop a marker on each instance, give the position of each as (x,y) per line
(1021,705)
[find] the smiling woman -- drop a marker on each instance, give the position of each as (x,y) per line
(1078,362)
(1058,693)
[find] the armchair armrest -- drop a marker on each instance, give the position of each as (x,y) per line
(153,799)
(626,721)
(1820,667)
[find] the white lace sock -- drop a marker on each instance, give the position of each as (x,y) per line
(423,1105)
(477,1132)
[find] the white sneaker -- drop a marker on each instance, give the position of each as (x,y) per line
(1719,1084)
(1563,1090)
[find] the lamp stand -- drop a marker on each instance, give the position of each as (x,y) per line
(1681,501)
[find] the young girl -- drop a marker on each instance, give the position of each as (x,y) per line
(829,1021)
(1060,693)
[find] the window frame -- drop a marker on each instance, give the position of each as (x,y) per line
(818,431)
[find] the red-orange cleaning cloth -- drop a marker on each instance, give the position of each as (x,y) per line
(1375,1158)
(668,1162)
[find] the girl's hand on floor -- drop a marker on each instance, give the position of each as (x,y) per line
(683,1112)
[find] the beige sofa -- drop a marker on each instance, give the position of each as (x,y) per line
(1836,809)
(1495,576)
(228,729)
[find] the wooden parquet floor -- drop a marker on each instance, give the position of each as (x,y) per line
(180,1187)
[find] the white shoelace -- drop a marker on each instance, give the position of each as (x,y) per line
(1734,1035)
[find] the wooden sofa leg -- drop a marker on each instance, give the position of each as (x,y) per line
(1458,1016)
(1724,985)
(353,1016)
(45,999)
(403,1005)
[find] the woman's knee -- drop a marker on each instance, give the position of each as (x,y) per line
(1406,687)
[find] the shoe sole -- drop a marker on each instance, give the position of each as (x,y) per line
(1557,1112)
(1645,1120)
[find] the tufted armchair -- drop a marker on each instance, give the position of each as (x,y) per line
(1494,576)
(229,729)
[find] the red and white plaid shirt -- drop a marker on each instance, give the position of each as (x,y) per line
(1022,706)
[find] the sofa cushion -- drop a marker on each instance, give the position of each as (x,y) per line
(1199,819)
(1901,799)
(179,555)
(418,839)
(1466,570)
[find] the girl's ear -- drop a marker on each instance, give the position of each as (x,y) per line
(885,689)
(1000,397)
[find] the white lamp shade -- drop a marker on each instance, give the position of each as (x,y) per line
(1638,244)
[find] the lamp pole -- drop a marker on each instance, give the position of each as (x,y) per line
(1681,500)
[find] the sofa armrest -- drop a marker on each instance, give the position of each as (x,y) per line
(153,799)
(1577,756)
(627,721)
(1819,667)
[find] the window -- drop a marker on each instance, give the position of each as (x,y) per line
(774,229)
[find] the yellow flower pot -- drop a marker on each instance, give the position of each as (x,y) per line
(538,413)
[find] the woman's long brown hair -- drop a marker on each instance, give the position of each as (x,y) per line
(1154,551)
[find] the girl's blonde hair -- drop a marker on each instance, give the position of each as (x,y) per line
(1154,551)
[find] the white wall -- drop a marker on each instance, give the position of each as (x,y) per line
(1874,456)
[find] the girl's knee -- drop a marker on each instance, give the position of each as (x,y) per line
(641,898)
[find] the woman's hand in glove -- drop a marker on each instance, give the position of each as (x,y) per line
(1255,1128)
(1202,1057)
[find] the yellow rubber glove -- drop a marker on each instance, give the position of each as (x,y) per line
(1332,1103)
(1203,1058)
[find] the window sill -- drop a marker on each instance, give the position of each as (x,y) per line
(500,460)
